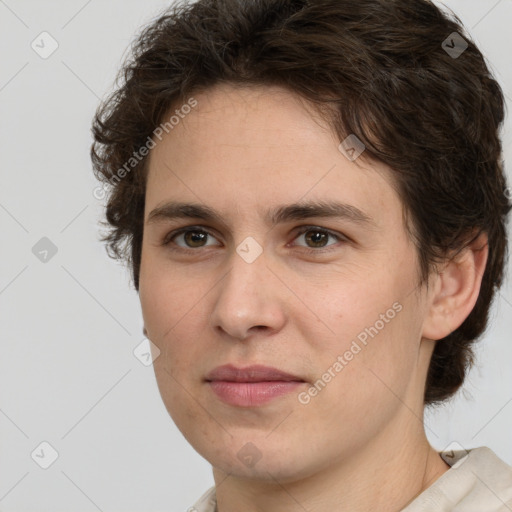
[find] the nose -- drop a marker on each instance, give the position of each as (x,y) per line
(250,299)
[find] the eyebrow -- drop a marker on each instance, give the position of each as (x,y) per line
(280,214)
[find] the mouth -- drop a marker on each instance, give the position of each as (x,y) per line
(251,386)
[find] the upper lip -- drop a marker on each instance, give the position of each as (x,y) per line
(254,373)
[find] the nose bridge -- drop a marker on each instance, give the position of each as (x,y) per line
(247,296)
(246,282)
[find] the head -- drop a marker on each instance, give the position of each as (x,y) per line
(243,109)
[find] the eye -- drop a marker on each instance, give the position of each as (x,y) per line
(191,238)
(317,238)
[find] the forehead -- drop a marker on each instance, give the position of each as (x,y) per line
(259,144)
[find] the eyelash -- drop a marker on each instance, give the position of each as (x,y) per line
(309,250)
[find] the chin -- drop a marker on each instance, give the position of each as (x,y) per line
(267,460)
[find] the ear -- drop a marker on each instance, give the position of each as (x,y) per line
(455,290)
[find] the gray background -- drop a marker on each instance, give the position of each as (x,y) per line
(68,373)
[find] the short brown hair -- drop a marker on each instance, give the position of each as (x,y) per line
(386,73)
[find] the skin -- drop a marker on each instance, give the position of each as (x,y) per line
(360,443)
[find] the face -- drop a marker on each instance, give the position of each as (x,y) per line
(258,274)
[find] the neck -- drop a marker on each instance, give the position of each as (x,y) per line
(385,475)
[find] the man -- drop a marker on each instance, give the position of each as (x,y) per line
(311,199)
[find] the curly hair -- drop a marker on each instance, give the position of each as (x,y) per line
(401,74)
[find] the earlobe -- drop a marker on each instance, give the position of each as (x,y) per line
(456,290)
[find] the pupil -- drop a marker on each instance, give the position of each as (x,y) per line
(195,236)
(318,238)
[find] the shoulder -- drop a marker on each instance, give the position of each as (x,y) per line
(478,481)
(206,503)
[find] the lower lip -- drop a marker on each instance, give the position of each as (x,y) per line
(248,394)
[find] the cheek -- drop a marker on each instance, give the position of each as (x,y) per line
(172,306)
(165,297)
(347,309)
(171,317)
(369,331)
(155,304)
(361,386)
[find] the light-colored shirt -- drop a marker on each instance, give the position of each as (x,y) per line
(477,481)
